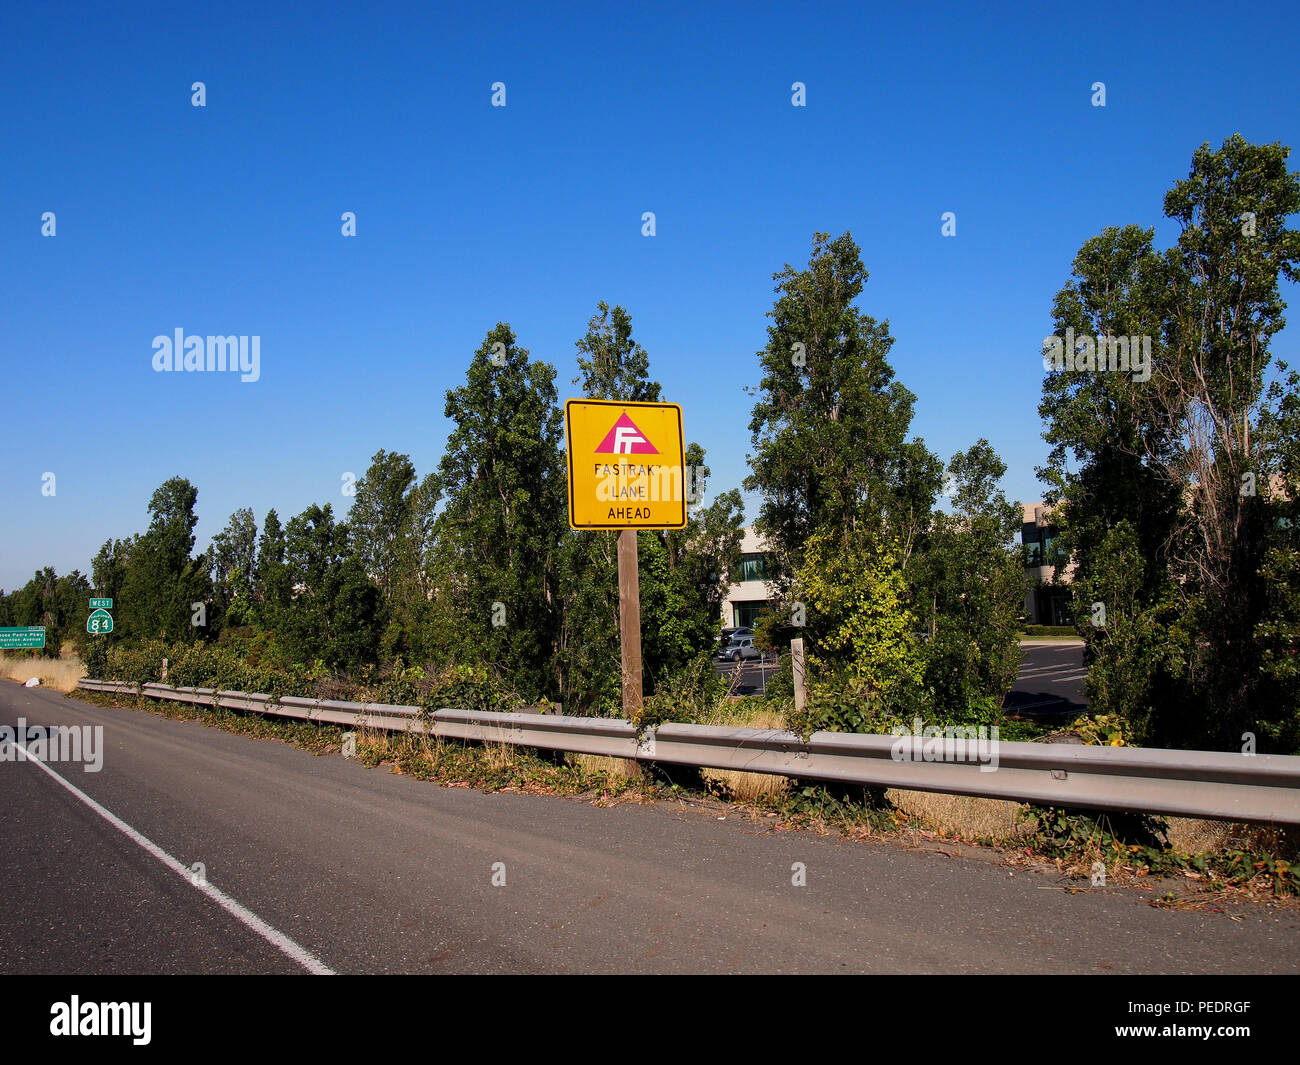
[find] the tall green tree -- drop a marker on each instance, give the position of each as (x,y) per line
(1278,630)
(163,580)
(1102,426)
(967,588)
(109,566)
(272,586)
(334,613)
(1171,466)
(378,518)
(830,424)
(502,484)
(416,628)
(611,364)
(234,560)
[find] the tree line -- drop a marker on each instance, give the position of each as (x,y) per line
(474,563)
(1174,495)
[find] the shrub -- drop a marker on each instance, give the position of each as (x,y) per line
(1050,630)
(469,688)
(688,694)
(847,703)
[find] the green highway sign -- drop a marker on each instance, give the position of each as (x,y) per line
(99,622)
(101,604)
(23,636)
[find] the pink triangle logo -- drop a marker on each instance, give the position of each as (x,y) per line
(626,439)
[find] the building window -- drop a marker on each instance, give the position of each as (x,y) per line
(754,567)
(1053,554)
(747,613)
(1042,548)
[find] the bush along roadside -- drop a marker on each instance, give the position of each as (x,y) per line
(248,669)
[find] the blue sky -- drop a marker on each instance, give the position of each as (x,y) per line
(226,219)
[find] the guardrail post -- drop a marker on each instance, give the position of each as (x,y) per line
(800,679)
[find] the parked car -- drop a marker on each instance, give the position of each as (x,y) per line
(739,647)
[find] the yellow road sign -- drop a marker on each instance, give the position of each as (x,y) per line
(625,465)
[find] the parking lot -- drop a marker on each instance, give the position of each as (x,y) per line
(1049,682)
(750,676)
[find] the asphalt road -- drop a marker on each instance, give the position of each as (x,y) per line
(358,870)
(1050,682)
(748,676)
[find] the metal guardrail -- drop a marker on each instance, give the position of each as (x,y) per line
(1234,787)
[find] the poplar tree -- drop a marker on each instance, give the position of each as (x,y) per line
(1167,487)
(162,580)
(829,428)
(497,535)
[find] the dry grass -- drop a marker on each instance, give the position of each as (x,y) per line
(382,744)
(964,816)
(1192,835)
(968,817)
(60,674)
(500,755)
(745,787)
(614,768)
(1195,836)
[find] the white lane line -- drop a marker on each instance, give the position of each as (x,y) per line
(1049,672)
(276,938)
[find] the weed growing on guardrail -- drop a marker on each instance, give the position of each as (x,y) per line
(848,808)
(467,688)
(1106,730)
(1277,874)
(843,804)
(1087,837)
(202,665)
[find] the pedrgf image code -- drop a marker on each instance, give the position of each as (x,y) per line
(1160,1008)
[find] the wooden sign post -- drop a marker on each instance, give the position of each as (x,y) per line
(626,472)
(629,616)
